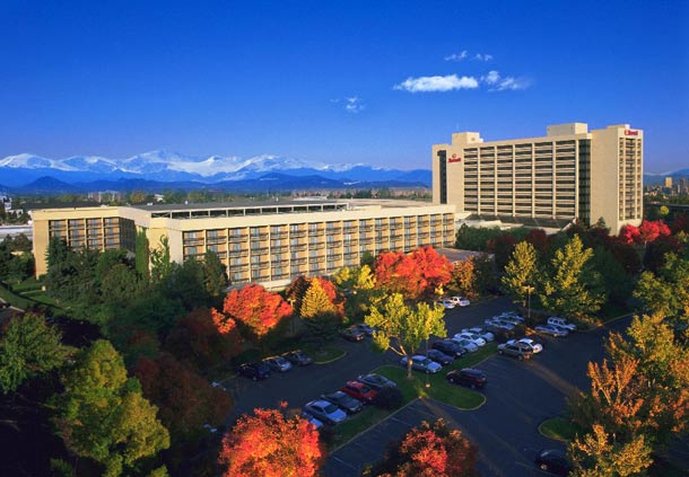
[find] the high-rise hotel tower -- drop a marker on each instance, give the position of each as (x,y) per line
(569,174)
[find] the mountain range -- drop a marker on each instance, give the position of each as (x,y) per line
(153,170)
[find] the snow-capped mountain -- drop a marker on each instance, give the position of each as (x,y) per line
(165,166)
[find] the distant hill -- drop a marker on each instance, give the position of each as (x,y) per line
(162,169)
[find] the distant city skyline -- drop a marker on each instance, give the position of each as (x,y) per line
(364,82)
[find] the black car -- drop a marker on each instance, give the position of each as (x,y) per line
(553,461)
(298,357)
(449,348)
(353,333)
(471,377)
(254,371)
(439,357)
(344,401)
(376,381)
(364,328)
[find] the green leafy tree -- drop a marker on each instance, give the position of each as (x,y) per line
(161,264)
(402,328)
(103,415)
(599,454)
(215,275)
(29,347)
(521,273)
(143,254)
(667,292)
(571,287)
(358,284)
(616,281)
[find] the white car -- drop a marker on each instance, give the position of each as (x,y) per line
(531,344)
(466,344)
(498,323)
(422,363)
(447,304)
(325,411)
(485,334)
(473,337)
(460,300)
(552,330)
(511,317)
(562,323)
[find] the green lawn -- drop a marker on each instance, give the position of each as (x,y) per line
(14,299)
(421,385)
(325,354)
(558,428)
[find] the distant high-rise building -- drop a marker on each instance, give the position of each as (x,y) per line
(571,173)
(667,183)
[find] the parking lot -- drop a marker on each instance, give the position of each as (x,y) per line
(519,396)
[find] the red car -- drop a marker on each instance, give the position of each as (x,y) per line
(359,391)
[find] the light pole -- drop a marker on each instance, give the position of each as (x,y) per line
(529,290)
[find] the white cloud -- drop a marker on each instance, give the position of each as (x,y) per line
(504,83)
(483,57)
(426,84)
(352,104)
(457,56)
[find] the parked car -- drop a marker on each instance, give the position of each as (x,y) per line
(553,461)
(562,323)
(439,357)
(450,348)
(447,304)
(254,371)
(511,317)
(325,411)
(364,328)
(298,357)
(459,301)
(278,363)
(473,337)
(359,391)
(485,334)
(466,344)
(552,330)
(316,423)
(353,333)
(530,343)
(516,350)
(499,323)
(376,381)
(344,401)
(471,377)
(422,363)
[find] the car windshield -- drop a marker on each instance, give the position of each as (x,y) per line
(330,408)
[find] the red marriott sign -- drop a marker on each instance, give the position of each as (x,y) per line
(454,158)
(629,132)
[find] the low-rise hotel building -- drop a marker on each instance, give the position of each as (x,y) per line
(569,174)
(269,242)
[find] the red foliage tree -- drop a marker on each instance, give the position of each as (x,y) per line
(186,401)
(254,307)
(649,231)
(538,238)
(434,451)
(270,445)
(204,337)
(417,273)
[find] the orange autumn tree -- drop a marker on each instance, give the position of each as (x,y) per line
(254,307)
(432,451)
(271,445)
(414,274)
(463,278)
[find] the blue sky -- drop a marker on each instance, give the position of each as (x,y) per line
(336,81)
